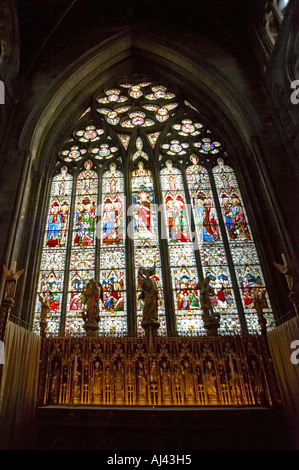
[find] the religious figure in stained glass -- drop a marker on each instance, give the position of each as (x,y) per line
(54,225)
(235,219)
(112,217)
(230,200)
(113,207)
(85,222)
(143,200)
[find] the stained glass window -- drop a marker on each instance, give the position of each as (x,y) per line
(55,243)
(181,252)
(145,229)
(82,262)
(112,254)
(247,266)
(143,183)
(212,252)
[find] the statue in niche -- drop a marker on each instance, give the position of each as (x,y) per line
(149,295)
(97,383)
(154,377)
(77,386)
(166,382)
(119,382)
(177,385)
(141,382)
(130,380)
(108,383)
(210,318)
(234,382)
(257,379)
(85,389)
(188,380)
(64,381)
(55,379)
(92,294)
(211,383)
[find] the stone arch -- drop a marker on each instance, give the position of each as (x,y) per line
(225,105)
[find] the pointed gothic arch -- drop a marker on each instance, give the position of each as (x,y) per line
(70,95)
(163,140)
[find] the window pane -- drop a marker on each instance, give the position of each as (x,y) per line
(51,276)
(247,266)
(211,248)
(146,242)
(82,262)
(181,253)
(113,310)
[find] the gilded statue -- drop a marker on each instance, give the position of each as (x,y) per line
(141,382)
(108,383)
(211,383)
(97,383)
(177,385)
(166,384)
(55,378)
(188,380)
(256,377)
(77,386)
(130,380)
(119,383)
(45,300)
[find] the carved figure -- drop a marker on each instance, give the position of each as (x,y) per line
(97,382)
(286,270)
(177,385)
(165,378)
(260,302)
(292,282)
(54,390)
(188,380)
(141,382)
(92,294)
(130,378)
(206,291)
(210,383)
(11,282)
(119,383)
(257,379)
(149,294)
(45,300)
